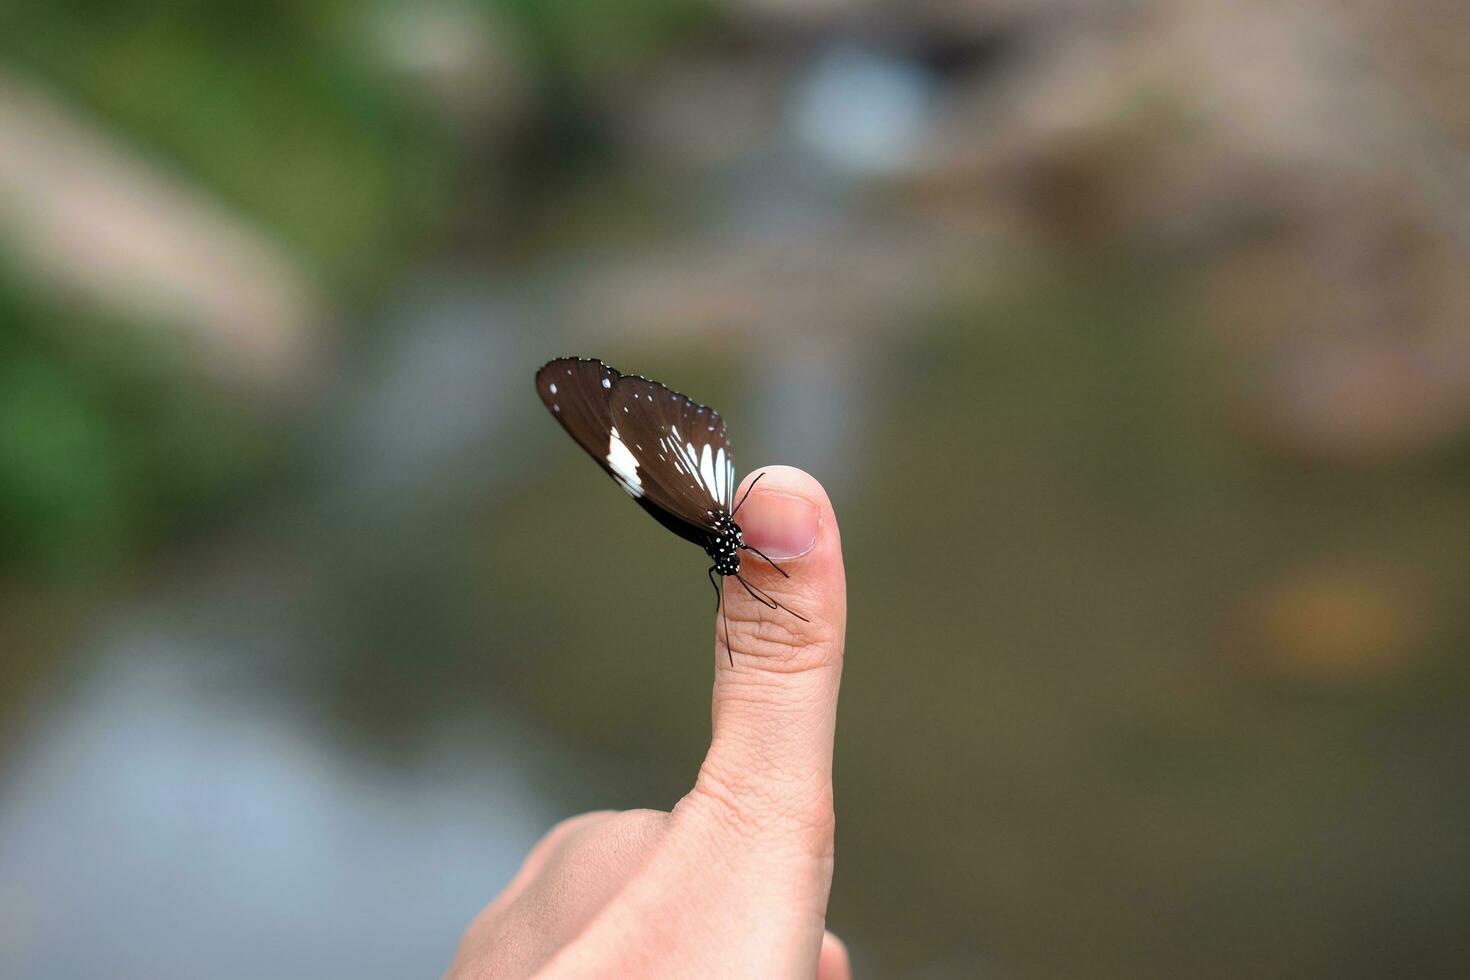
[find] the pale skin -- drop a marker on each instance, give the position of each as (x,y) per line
(733,882)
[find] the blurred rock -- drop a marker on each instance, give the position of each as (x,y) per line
(1349,322)
(97,224)
(1304,164)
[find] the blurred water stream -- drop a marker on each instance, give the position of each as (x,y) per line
(166,801)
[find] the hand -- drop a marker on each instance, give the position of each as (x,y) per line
(733,882)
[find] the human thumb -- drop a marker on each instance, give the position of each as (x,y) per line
(779,648)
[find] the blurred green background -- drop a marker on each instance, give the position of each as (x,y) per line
(1131,339)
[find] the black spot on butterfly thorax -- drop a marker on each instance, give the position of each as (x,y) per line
(724,545)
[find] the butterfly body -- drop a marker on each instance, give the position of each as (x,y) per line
(724,546)
(668,452)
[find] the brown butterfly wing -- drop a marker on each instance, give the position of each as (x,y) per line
(680,448)
(580,394)
(577,392)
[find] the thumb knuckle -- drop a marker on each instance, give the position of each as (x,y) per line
(788,810)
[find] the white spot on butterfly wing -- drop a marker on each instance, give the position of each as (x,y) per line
(624,464)
(721,477)
(553,387)
(606,383)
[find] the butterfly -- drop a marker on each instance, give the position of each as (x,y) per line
(670,453)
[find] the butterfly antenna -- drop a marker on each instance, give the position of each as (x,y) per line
(751,547)
(747,492)
(760,596)
(720,608)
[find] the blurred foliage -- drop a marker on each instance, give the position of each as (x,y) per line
(281,109)
(276,106)
(107,439)
(106,444)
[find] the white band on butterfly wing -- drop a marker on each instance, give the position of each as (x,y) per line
(624,464)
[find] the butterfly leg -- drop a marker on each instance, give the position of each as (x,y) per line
(720,608)
(751,547)
(760,596)
(757,595)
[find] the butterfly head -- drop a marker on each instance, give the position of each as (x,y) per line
(724,545)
